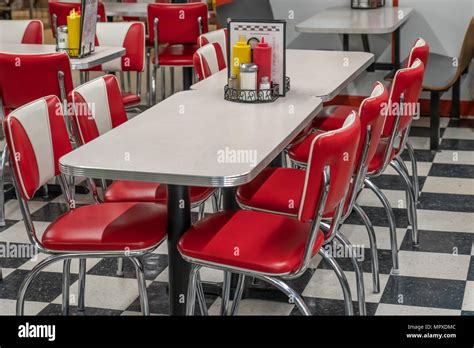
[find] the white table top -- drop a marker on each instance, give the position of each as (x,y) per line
(120,9)
(190,138)
(322,74)
(101,54)
(344,20)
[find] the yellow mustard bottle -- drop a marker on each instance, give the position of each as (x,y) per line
(74,32)
(241,54)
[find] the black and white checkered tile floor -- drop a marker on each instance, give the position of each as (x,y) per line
(437,278)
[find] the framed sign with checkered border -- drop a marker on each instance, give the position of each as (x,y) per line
(274,32)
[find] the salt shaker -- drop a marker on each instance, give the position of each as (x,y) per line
(265,89)
(248,81)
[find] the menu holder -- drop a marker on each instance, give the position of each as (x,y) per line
(274,32)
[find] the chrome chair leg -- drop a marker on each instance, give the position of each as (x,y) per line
(163,83)
(191,295)
(292,294)
(66,285)
(2,185)
(20,302)
(202,207)
(358,272)
(414,168)
(391,221)
(172,80)
(226,293)
(412,208)
(153,86)
(215,201)
(346,290)
(119,272)
(238,294)
(81,285)
(200,295)
(407,192)
(148,78)
(1,274)
(373,247)
(145,306)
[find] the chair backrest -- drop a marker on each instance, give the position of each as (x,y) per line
(21,31)
(336,149)
(131,36)
(177,23)
(98,108)
(242,9)
(37,137)
(421,51)
(372,114)
(467,49)
(27,77)
(209,60)
(219,36)
(62,10)
(404,96)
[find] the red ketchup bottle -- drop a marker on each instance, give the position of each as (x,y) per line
(262,56)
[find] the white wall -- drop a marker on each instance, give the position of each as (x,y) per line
(442,23)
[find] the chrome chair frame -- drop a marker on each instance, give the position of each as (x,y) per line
(276,280)
(66,257)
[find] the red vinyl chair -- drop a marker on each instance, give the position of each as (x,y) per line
(209,60)
(111,230)
(173,31)
(98,109)
(216,36)
(274,247)
(52,74)
(131,36)
(21,31)
(58,12)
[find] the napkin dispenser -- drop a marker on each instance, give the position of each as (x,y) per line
(366,4)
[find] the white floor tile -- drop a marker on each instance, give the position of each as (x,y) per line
(106,292)
(396,198)
(12,209)
(457,186)
(420,143)
(357,234)
(445,221)
(324,284)
(468,303)
(8,307)
(17,232)
(454,157)
(256,307)
(459,133)
(57,266)
(433,265)
(393,309)
(425,122)
(207,275)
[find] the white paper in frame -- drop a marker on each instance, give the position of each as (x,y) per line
(274,32)
(88,26)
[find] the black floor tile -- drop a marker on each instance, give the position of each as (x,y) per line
(452,170)
(457,144)
(421,155)
(322,306)
(49,212)
(378,216)
(44,288)
(423,132)
(446,202)
(8,224)
(461,123)
(426,292)
(154,264)
(470,273)
(467,313)
(394,182)
(440,242)
(13,255)
(55,309)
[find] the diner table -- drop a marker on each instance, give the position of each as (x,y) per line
(101,55)
(322,74)
(193,138)
(345,20)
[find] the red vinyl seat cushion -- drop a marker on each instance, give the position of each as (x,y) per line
(130,99)
(249,240)
(134,191)
(277,190)
(108,227)
(176,55)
